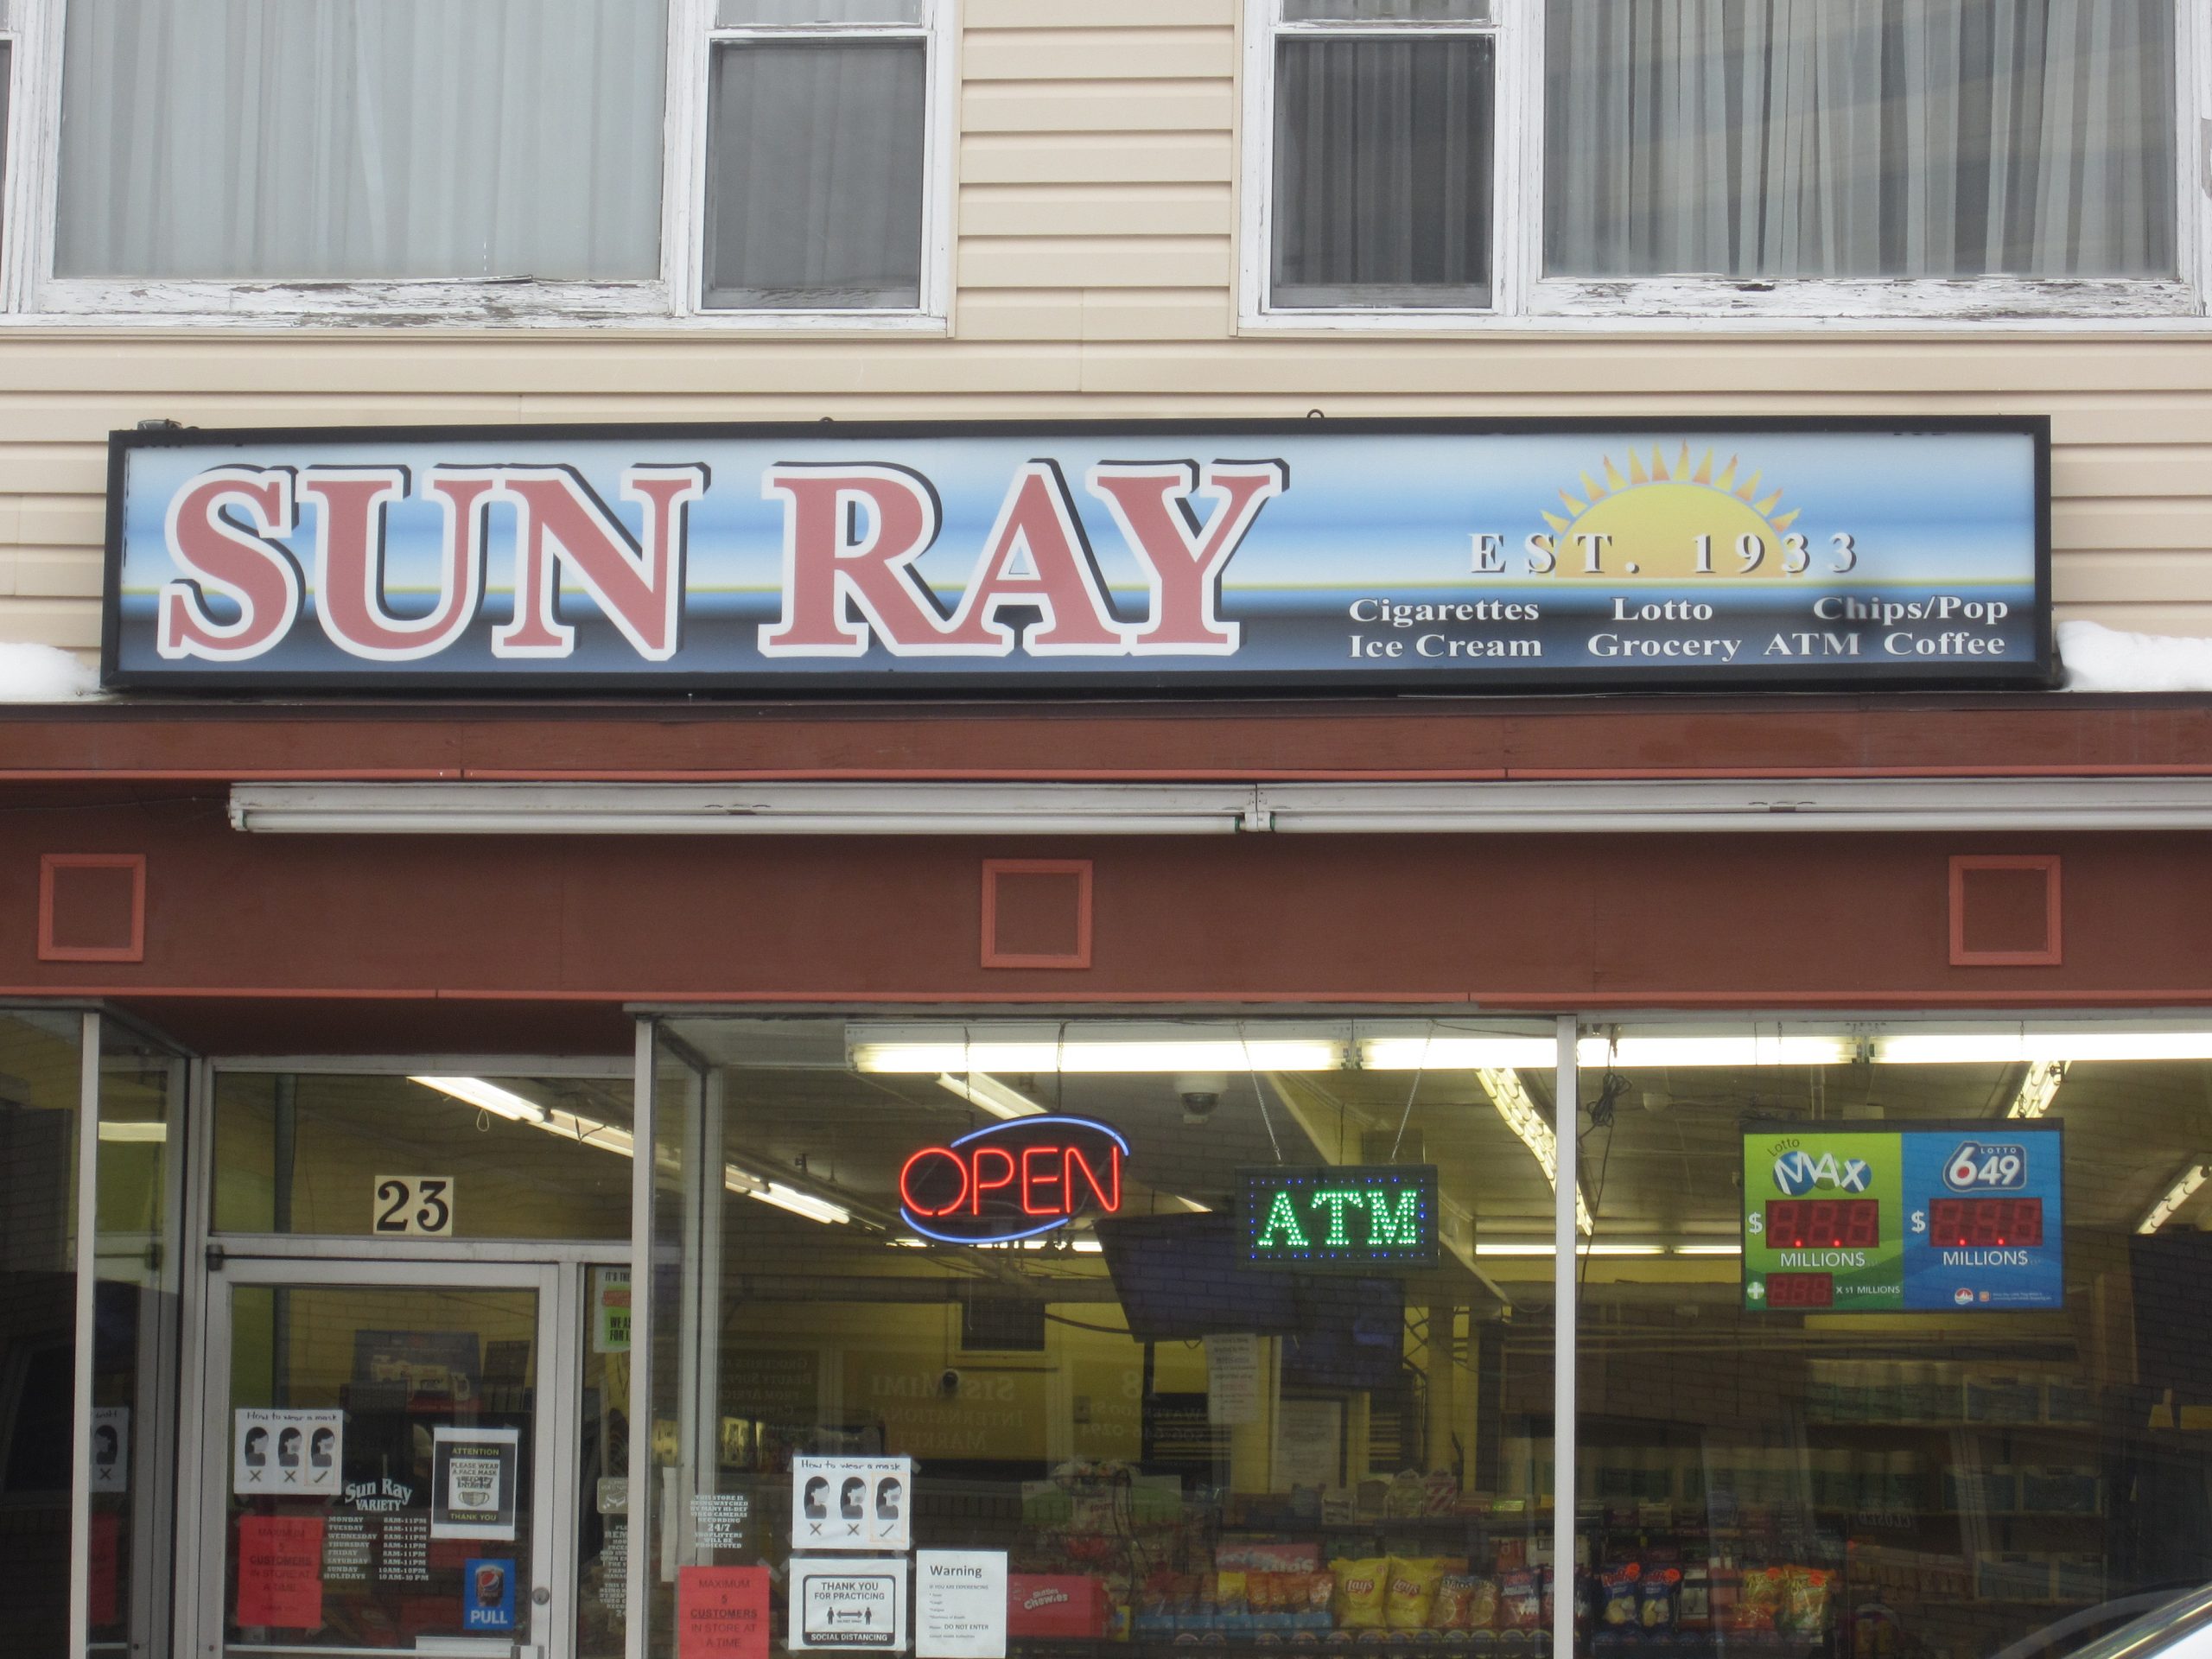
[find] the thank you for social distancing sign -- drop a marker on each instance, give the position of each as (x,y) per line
(852,1601)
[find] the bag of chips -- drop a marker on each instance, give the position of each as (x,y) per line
(1412,1593)
(1805,1601)
(1619,1583)
(1361,1592)
(1455,1603)
(1656,1598)
(1519,1602)
(1231,1594)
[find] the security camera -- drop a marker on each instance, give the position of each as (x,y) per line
(1200,1092)
(948,1383)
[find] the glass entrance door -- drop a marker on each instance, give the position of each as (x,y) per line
(383,1467)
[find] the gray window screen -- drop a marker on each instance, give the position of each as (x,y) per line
(815,174)
(1383,171)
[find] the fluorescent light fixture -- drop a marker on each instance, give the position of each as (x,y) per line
(2177,1195)
(1522,1117)
(487,1097)
(982,1089)
(1218,1054)
(2037,1088)
(1458,1053)
(140,1133)
(2012,1047)
(783,1198)
(1752,1049)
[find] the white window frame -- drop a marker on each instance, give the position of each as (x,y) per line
(1524,300)
(30,294)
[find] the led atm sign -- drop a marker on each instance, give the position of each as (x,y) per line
(1353,1216)
(1013,1180)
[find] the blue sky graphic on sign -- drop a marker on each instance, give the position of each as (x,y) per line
(1307,553)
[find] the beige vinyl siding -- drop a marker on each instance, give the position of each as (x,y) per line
(1095,263)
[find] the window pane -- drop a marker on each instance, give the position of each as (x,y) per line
(814,175)
(752,14)
(1360,11)
(1944,138)
(1172,1428)
(524,1157)
(321,139)
(1973,1425)
(1382,172)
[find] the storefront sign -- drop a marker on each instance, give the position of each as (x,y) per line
(474,1482)
(1859,1218)
(280,1572)
(852,1502)
(1354,1217)
(850,1601)
(722,1612)
(287,1453)
(960,1603)
(1011,1180)
(1435,555)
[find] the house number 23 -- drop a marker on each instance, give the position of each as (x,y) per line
(413,1207)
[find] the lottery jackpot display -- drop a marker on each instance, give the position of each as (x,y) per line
(1859,1218)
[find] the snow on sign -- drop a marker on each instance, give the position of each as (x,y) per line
(848,1602)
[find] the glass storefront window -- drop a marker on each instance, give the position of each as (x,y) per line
(1891,1336)
(1008,1261)
(41,1072)
(510,1157)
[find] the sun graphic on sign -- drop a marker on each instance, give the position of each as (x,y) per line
(1662,520)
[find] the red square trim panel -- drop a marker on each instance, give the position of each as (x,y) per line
(1036,913)
(92,907)
(2004,912)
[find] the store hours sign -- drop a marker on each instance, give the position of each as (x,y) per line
(1323,553)
(1965,1217)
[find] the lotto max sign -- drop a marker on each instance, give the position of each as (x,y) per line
(1324,554)
(1939,1217)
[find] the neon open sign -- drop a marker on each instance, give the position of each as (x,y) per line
(1351,1215)
(1013,1180)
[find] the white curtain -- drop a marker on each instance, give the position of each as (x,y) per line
(1859,137)
(814,175)
(289,139)
(1383,155)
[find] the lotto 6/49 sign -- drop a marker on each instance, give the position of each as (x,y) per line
(1963,1218)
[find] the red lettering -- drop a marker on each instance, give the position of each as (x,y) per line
(244,565)
(1109,1193)
(830,562)
(906,1192)
(1031,1181)
(562,524)
(1036,557)
(1185,559)
(978,1186)
(350,579)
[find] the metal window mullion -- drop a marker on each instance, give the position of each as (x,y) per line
(1565,1103)
(644,1139)
(196,1289)
(81,1415)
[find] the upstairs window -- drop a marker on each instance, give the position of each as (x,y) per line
(1458,162)
(728,162)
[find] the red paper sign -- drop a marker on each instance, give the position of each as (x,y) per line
(280,1572)
(104,1578)
(722,1612)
